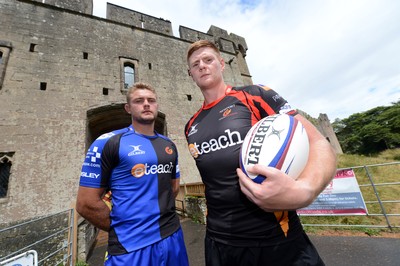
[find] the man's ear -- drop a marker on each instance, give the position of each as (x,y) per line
(222,62)
(126,106)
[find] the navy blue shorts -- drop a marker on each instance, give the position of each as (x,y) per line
(170,251)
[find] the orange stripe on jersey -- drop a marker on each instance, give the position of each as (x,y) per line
(283,218)
(240,95)
(250,100)
(262,103)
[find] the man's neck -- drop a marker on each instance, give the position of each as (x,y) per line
(144,129)
(212,94)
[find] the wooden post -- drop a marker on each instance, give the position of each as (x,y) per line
(72,236)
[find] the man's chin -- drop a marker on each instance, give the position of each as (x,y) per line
(147,120)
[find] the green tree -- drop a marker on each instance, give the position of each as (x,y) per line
(370,132)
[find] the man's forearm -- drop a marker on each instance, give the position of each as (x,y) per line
(98,215)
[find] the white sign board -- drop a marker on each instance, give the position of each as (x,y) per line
(28,258)
(341,197)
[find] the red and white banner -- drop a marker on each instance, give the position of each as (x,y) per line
(341,197)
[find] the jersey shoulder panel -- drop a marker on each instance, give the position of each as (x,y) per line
(266,100)
(92,167)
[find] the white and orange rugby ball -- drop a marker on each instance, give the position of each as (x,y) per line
(278,141)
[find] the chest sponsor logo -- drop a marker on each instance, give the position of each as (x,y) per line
(141,169)
(229,139)
(136,150)
(227,111)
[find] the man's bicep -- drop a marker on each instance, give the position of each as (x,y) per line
(88,196)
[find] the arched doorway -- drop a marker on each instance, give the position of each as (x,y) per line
(107,118)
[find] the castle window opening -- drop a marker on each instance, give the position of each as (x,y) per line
(85,55)
(189,97)
(142,21)
(129,76)
(32,47)
(43,86)
(150,66)
(1,57)
(105,91)
(5,170)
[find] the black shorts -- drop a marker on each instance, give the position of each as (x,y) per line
(298,252)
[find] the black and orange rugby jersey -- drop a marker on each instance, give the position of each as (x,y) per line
(215,134)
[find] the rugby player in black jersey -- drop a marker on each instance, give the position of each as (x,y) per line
(249,223)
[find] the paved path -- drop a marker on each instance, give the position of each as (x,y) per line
(334,250)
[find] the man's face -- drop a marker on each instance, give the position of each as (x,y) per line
(206,67)
(142,106)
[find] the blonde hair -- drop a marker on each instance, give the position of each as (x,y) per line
(200,44)
(139,86)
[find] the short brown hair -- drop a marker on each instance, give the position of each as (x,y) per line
(139,86)
(200,44)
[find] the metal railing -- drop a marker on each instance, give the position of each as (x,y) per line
(380,188)
(54,247)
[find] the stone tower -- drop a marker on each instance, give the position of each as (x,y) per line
(325,127)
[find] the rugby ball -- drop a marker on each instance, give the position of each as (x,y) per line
(278,141)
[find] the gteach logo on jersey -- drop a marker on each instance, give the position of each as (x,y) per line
(193,150)
(193,129)
(136,150)
(230,138)
(140,169)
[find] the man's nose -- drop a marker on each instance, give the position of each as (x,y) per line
(201,64)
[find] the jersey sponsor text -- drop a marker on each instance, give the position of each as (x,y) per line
(140,170)
(222,142)
(89,175)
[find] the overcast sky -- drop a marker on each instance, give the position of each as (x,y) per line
(337,57)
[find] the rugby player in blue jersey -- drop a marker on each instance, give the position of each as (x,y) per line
(249,224)
(140,168)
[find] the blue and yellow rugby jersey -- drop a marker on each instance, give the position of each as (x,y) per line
(138,170)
